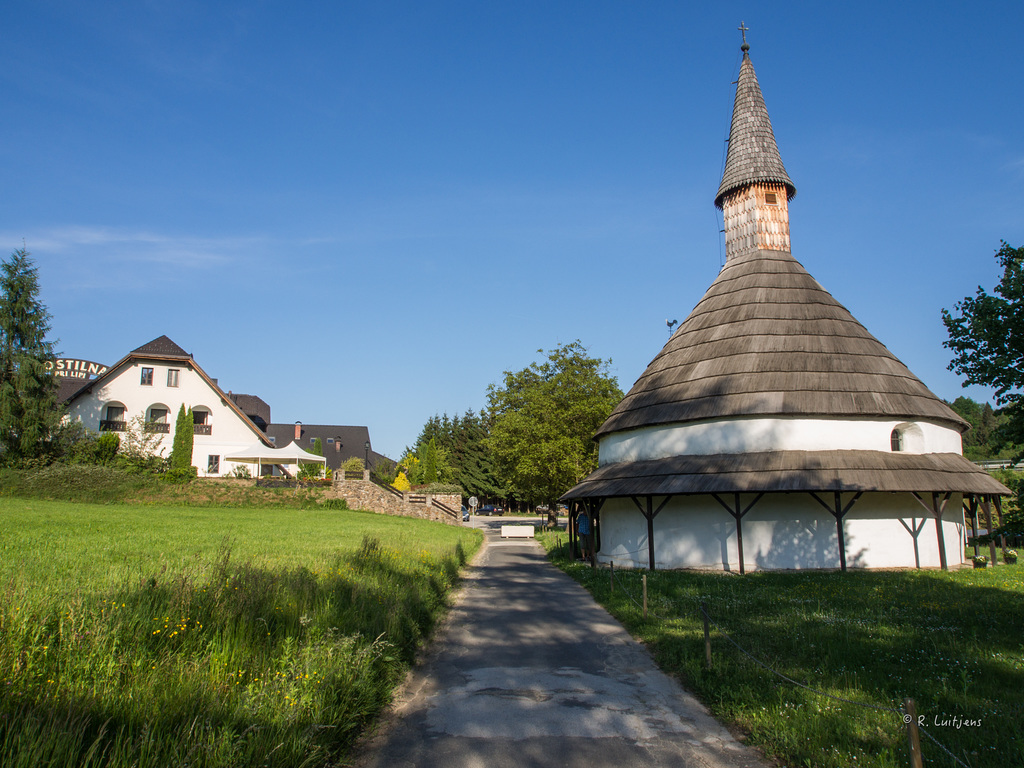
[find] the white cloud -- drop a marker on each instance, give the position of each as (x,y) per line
(102,245)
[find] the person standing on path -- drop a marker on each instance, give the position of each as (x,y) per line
(583,529)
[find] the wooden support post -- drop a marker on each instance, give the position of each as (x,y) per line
(937,508)
(986,505)
(649,512)
(573,511)
(913,737)
(840,532)
(645,595)
(999,518)
(973,511)
(707,635)
(739,538)
(737,511)
(650,545)
(611,577)
(839,512)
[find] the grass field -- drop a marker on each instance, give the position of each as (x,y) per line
(954,642)
(158,635)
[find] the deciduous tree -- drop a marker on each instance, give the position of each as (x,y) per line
(986,337)
(544,418)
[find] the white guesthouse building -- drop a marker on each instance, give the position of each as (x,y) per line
(773,431)
(153,382)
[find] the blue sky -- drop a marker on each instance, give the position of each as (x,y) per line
(365,212)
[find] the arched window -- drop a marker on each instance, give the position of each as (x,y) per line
(113,420)
(156,419)
(896,440)
(201,420)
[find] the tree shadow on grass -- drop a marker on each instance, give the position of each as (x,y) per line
(871,637)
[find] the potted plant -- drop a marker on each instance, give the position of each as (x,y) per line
(1010,556)
(980,561)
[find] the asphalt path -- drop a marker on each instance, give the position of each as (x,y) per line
(528,670)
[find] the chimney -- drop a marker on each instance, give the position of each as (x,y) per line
(298,430)
(337,444)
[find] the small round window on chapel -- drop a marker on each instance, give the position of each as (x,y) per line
(896,440)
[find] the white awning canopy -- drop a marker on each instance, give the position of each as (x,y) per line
(260,454)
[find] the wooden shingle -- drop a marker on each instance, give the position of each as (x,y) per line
(767,340)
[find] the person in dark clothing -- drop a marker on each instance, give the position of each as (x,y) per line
(583,529)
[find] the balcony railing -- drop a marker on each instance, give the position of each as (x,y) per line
(202,429)
(112,426)
(157,426)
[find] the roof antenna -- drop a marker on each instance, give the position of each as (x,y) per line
(670,324)
(743,28)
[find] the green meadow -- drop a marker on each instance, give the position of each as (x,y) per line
(863,640)
(148,635)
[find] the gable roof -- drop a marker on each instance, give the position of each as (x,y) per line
(164,349)
(753,155)
(349,441)
(767,340)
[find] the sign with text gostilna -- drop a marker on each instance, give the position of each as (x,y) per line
(67,368)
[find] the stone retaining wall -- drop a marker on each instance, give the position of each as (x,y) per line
(366,494)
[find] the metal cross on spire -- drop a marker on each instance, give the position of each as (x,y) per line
(743,28)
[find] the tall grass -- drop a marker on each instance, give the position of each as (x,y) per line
(142,636)
(954,642)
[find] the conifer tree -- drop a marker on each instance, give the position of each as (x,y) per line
(184,440)
(28,390)
(430,462)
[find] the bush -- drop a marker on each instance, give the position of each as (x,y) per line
(402,482)
(180,474)
(311,471)
(106,447)
(355,464)
(334,504)
(449,488)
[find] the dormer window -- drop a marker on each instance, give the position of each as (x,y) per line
(771,198)
(896,440)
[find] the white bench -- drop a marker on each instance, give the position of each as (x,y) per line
(517,531)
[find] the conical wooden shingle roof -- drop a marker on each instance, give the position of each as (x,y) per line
(753,156)
(767,340)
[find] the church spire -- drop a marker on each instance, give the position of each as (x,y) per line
(755,188)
